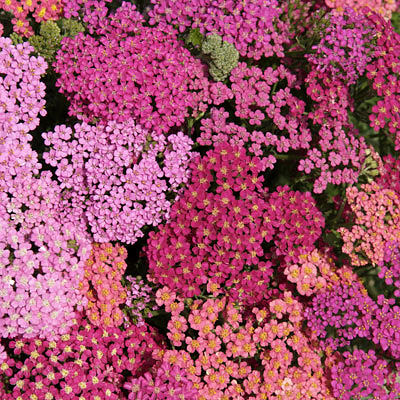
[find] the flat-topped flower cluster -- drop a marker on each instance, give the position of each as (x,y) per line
(199,200)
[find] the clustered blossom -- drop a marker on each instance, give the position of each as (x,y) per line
(390,174)
(213,234)
(341,151)
(102,284)
(91,11)
(312,273)
(377,221)
(118,177)
(340,314)
(140,302)
(386,326)
(297,221)
(221,232)
(261,289)
(275,118)
(41,10)
(344,48)
(382,7)
(39,268)
(162,383)
(390,266)
(227,355)
(362,374)
(253,27)
(86,363)
(256,99)
(21,91)
(147,75)
(383,72)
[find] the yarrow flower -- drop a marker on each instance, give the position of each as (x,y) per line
(254,99)
(253,27)
(376,222)
(312,273)
(131,71)
(382,7)
(383,71)
(40,10)
(164,383)
(88,362)
(118,177)
(344,49)
(363,374)
(213,234)
(340,314)
(389,177)
(389,269)
(228,353)
(21,91)
(140,301)
(102,284)
(341,151)
(219,226)
(297,220)
(40,269)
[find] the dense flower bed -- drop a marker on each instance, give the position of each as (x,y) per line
(199,200)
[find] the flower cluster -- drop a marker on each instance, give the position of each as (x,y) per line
(86,363)
(118,177)
(361,374)
(386,326)
(102,284)
(390,174)
(41,10)
(40,269)
(274,118)
(91,11)
(140,300)
(344,48)
(228,356)
(383,72)
(340,314)
(148,75)
(383,7)
(341,151)
(41,262)
(253,27)
(209,208)
(221,232)
(390,267)
(377,221)
(163,382)
(297,221)
(312,273)
(213,234)
(21,91)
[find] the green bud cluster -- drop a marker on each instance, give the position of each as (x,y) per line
(70,27)
(223,56)
(48,41)
(16,39)
(370,168)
